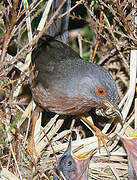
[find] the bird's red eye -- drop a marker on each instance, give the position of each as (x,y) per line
(101,91)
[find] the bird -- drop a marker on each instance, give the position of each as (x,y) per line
(73,167)
(65,84)
(130,145)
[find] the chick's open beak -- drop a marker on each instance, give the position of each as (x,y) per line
(74,167)
(130,145)
(82,163)
(110,111)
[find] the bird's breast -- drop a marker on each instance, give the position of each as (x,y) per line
(60,104)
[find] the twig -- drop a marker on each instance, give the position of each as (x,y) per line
(44,16)
(114,172)
(98,38)
(5,174)
(124,19)
(8,35)
(80,45)
(136,113)
(71,128)
(132,84)
(34,41)
(78,3)
(115,42)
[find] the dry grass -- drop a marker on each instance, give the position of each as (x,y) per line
(114,44)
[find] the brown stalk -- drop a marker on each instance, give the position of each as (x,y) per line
(11,31)
(71,128)
(122,16)
(7,36)
(99,37)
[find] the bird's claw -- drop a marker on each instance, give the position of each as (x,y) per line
(101,137)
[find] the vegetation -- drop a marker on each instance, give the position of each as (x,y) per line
(104,34)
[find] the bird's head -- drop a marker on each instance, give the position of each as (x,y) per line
(100,89)
(74,167)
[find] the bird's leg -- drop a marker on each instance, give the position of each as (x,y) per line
(99,133)
(35,116)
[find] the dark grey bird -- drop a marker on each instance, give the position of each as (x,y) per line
(64,83)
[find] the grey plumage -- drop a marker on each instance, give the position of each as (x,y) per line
(63,73)
(64,83)
(59,29)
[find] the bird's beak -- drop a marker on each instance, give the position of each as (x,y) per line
(79,157)
(130,145)
(110,111)
(82,163)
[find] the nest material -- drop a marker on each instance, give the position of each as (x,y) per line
(116,51)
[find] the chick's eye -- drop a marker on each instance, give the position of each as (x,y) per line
(69,163)
(101,91)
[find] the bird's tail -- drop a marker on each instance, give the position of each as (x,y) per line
(59,29)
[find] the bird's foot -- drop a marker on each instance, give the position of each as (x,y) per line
(99,134)
(101,138)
